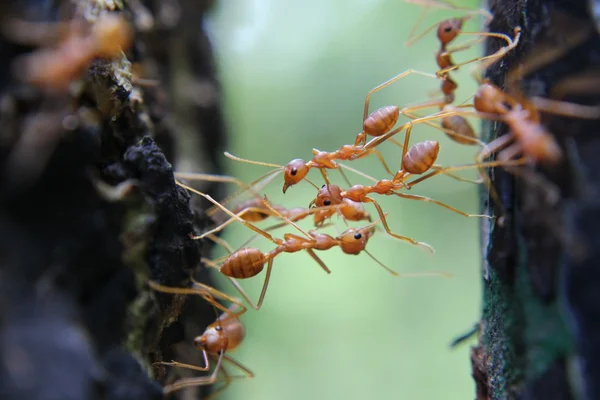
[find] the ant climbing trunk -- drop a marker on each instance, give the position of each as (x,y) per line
(538,336)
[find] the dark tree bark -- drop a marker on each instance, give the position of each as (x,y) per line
(539,335)
(89,209)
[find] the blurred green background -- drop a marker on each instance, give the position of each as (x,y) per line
(295,75)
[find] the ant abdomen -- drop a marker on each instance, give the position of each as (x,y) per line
(461,126)
(381,120)
(244,263)
(421,157)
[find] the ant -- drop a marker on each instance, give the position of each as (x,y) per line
(248,262)
(448,29)
(297,169)
(443,5)
(527,135)
(55,68)
(417,161)
(255,210)
(219,338)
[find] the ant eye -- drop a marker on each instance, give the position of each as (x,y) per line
(218,328)
(327,202)
(323,186)
(357,236)
(294,171)
(448,29)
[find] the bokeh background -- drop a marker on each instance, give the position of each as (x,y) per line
(295,74)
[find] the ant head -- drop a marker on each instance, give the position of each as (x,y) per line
(213,340)
(353,241)
(328,195)
(294,172)
(449,29)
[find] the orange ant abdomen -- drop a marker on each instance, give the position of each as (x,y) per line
(460,125)
(535,141)
(421,157)
(381,120)
(448,30)
(294,172)
(353,211)
(244,263)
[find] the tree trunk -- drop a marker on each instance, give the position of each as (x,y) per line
(89,209)
(539,335)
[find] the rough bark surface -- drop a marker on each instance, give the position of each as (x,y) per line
(539,336)
(90,211)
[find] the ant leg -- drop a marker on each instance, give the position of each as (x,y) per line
(389,82)
(243,293)
(345,177)
(419,274)
(453,134)
(492,58)
(446,5)
(366,153)
(265,284)
(187,366)
(286,219)
(234,282)
(439,203)
(318,260)
(566,109)
(459,178)
(205,291)
(210,178)
(227,381)
(388,230)
(405,146)
(464,46)
(520,161)
(254,187)
(231,214)
(248,374)
(360,173)
(229,221)
(199,381)
(221,242)
(224,296)
(324,175)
